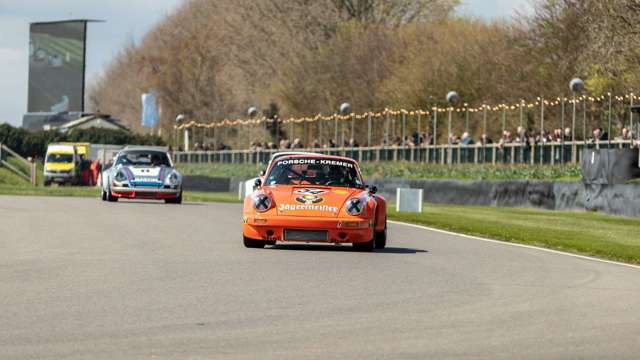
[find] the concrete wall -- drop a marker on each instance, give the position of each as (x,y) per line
(487,193)
(612,199)
(205,183)
(211,184)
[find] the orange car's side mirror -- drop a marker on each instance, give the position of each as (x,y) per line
(373,189)
(257,184)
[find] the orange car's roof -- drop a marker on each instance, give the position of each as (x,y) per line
(319,156)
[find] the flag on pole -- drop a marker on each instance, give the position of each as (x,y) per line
(150,110)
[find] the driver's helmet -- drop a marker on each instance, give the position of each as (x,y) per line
(282,177)
(155,160)
(336,173)
(315,170)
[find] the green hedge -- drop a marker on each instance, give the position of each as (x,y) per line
(34,144)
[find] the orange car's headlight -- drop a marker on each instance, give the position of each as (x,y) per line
(355,206)
(262,202)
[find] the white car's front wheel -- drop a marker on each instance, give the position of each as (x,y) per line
(110,197)
(177,200)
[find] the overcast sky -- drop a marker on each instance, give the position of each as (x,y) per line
(126,20)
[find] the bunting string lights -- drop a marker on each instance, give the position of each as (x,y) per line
(549,103)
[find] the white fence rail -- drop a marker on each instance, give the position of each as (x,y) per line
(551,153)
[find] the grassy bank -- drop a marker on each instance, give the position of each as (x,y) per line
(594,234)
(8,178)
(413,171)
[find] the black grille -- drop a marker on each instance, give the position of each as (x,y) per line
(306,235)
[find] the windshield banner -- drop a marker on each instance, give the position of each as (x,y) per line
(346,164)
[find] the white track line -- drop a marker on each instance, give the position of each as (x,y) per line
(516,245)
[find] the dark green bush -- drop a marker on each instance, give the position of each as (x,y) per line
(35,144)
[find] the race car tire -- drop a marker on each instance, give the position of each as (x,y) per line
(366,246)
(253,244)
(381,238)
(110,197)
(104,195)
(47,183)
(177,200)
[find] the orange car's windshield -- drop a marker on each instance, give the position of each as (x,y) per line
(314,171)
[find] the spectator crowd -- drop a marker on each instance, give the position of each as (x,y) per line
(519,137)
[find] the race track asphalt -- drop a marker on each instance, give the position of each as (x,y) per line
(83,279)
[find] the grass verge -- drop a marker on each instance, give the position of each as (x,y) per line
(221,197)
(27,190)
(407,170)
(594,234)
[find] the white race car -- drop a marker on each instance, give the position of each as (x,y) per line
(142,173)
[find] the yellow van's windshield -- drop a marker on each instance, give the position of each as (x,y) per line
(60,158)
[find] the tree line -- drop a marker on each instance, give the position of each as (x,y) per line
(212,59)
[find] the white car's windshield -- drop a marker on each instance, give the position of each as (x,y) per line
(143,158)
(314,171)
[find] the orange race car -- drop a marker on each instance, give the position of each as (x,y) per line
(314,198)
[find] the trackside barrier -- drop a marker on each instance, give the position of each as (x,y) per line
(244,188)
(409,200)
(551,153)
(17,164)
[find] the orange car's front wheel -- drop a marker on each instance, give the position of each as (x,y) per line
(381,237)
(254,244)
(366,246)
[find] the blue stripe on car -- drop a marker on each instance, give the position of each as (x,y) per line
(145,183)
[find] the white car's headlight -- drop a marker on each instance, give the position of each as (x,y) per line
(355,206)
(262,202)
(173,179)
(121,176)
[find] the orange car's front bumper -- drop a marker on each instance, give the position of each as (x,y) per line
(339,230)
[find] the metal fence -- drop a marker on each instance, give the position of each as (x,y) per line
(552,153)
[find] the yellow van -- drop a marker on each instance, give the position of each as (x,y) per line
(62,164)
